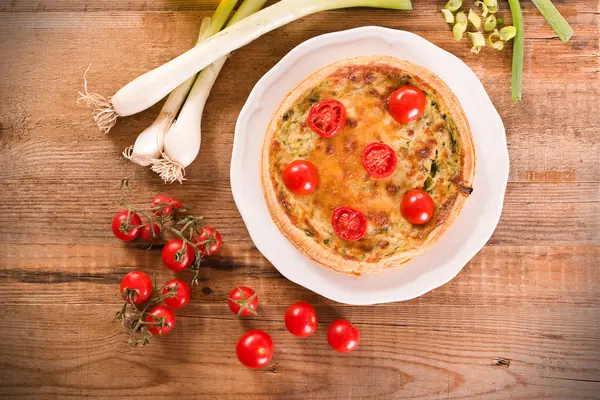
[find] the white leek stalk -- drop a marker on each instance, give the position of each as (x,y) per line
(148,89)
(149,144)
(182,141)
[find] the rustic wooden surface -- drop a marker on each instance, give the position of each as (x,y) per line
(521,321)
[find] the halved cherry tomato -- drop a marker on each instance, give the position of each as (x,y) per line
(301,319)
(162,205)
(327,118)
(243,301)
(137,286)
(417,207)
(209,241)
(126,225)
(379,160)
(301,177)
(180,293)
(147,232)
(342,336)
(407,104)
(160,320)
(175,257)
(348,223)
(254,349)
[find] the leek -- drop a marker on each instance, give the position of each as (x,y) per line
(518,50)
(151,87)
(554,19)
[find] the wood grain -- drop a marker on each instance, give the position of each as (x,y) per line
(521,321)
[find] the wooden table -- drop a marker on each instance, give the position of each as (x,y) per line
(521,321)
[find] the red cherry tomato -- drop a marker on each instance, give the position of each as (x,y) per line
(137,286)
(126,225)
(327,118)
(348,223)
(255,349)
(146,232)
(301,319)
(407,104)
(162,205)
(181,292)
(243,301)
(417,207)
(175,257)
(176,203)
(342,336)
(161,320)
(379,160)
(301,177)
(209,241)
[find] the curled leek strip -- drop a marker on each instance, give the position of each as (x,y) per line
(478,41)
(490,23)
(474,19)
(448,16)
(484,8)
(496,44)
(454,5)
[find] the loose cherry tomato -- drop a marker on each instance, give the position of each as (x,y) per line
(243,301)
(348,223)
(301,177)
(181,292)
(126,225)
(417,207)
(301,319)
(327,118)
(137,286)
(254,349)
(342,336)
(176,257)
(146,232)
(379,160)
(209,241)
(161,320)
(176,203)
(162,205)
(407,104)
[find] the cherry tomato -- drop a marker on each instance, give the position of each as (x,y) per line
(301,319)
(417,207)
(162,320)
(180,289)
(176,203)
(254,349)
(209,241)
(379,160)
(165,202)
(407,104)
(301,177)
(348,223)
(124,230)
(342,336)
(327,118)
(136,285)
(176,257)
(243,301)
(146,232)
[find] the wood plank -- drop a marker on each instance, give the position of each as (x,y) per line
(427,353)
(516,276)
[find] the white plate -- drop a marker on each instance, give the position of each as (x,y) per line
(456,247)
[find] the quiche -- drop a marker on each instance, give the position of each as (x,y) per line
(366,163)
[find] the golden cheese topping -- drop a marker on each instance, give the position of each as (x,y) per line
(428,152)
